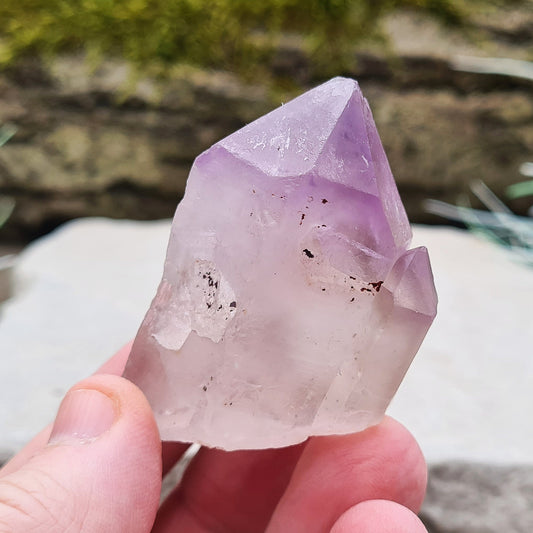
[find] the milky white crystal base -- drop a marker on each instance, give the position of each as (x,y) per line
(289,305)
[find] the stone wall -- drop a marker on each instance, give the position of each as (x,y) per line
(92,142)
(82,149)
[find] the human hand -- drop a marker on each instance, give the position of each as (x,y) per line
(98,469)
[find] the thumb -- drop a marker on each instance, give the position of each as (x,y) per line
(100,471)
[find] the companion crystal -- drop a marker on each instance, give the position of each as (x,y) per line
(290,304)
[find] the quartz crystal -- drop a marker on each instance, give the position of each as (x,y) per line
(290,304)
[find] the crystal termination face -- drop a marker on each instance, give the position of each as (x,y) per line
(290,304)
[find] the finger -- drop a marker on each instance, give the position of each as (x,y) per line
(228,491)
(100,471)
(34,446)
(335,473)
(115,365)
(378,516)
(172,453)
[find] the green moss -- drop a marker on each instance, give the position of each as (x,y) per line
(229,34)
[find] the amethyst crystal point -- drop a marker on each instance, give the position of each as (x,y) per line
(290,305)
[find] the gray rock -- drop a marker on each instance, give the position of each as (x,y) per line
(479,498)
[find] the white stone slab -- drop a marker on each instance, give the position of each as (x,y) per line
(83,291)
(469,393)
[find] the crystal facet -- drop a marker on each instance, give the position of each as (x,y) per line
(290,304)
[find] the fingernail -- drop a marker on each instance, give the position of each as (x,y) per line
(84,415)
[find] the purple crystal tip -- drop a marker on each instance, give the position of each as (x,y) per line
(290,304)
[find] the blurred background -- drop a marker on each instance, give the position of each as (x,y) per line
(108,102)
(105,104)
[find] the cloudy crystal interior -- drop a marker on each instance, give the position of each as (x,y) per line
(290,304)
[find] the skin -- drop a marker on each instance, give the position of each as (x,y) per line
(371,481)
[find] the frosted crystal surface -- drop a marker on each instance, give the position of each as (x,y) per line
(290,304)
